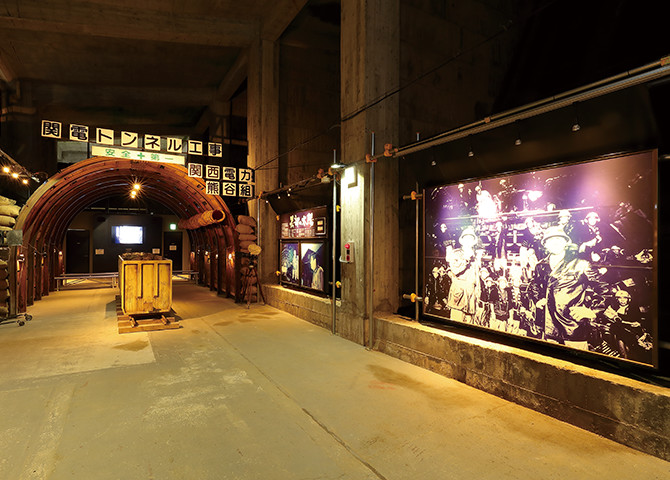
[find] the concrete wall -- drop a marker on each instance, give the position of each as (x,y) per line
(309,101)
(385,45)
(314,309)
(263,134)
(369,69)
(627,411)
(452,70)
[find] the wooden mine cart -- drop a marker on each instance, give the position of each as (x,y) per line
(145,284)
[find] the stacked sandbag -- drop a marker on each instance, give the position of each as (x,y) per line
(4,282)
(246,233)
(8,213)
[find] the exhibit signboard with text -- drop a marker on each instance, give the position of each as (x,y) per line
(563,255)
(303,250)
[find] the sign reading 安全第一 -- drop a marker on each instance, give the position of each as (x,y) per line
(130,140)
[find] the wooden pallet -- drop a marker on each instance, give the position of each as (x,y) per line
(143,322)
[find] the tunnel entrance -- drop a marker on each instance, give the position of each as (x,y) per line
(49,212)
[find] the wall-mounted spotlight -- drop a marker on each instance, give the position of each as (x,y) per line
(136,186)
(575,125)
(5,169)
(517,142)
(24,181)
(15,175)
(336,164)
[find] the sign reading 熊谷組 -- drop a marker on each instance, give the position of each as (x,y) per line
(224,181)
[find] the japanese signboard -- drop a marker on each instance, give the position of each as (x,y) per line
(154,143)
(231,181)
(305,223)
(104,151)
(220,180)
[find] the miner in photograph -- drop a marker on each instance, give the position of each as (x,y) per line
(463,271)
(560,286)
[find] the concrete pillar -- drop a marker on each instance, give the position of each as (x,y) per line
(369,69)
(263,136)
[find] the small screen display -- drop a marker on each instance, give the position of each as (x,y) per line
(128,234)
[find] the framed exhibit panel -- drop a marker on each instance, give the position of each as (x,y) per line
(564,255)
(312,274)
(289,263)
(304,250)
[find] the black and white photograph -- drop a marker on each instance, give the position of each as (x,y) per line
(313,275)
(290,263)
(564,255)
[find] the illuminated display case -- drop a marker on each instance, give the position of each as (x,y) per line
(304,256)
(564,255)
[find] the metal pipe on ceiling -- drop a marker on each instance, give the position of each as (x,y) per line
(647,73)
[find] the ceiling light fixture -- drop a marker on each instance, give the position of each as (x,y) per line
(517,142)
(575,126)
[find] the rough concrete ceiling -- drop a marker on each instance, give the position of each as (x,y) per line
(152,63)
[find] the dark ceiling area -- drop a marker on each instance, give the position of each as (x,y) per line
(571,43)
(151,65)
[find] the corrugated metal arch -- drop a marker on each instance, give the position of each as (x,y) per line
(51,209)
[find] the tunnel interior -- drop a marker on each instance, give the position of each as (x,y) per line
(51,209)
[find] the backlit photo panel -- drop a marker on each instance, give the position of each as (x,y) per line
(313,257)
(564,255)
(290,263)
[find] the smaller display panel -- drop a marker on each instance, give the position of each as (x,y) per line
(290,263)
(313,272)
(128,234)
(304,260)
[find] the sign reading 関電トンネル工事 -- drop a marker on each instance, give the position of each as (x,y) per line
(105,136)
(106,151)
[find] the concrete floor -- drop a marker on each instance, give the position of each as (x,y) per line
(258,394)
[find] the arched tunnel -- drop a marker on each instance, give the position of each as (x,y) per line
(50,210)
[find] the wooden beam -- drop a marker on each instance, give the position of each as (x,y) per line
(160,122)
(234,78)
(157,28)
(49,94)
(7,71)
(283,13)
